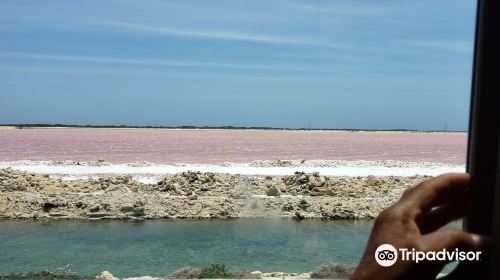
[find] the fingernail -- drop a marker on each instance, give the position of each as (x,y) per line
(477,238)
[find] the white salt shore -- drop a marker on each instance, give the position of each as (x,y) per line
(151,173)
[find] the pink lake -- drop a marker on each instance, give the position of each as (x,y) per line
(217,146)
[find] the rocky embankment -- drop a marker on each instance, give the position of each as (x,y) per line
(198,195)
(105,275)
(324,271)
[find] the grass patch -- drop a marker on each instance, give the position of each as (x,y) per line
(63,273)
(45,275)
(215,271)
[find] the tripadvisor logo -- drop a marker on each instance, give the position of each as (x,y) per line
(387,255)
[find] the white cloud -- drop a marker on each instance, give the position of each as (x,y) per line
(148,73)
(341,9)
(149,62)
(446,45)
(220,35)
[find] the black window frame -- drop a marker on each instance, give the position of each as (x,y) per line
(483,159)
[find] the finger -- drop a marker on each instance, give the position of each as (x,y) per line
(441,216)
(451,239)
(437,191)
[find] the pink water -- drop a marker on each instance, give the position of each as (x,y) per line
(217,146)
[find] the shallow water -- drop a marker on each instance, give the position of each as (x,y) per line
(158,248)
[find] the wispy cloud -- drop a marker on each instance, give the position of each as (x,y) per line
(220,35)
(290,78)
(445,45)
(159,63)
(346,46)
(340,9)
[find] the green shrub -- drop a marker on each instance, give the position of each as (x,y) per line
(43,276)
(215,271)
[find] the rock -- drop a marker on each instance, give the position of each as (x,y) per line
(80,204)
(372,180)
(97,214)
(273,191)
(316,183)
(287,207)
(105,275)
(47,206)
(94,208)
(315,193)
(53,203)
(139,203)
(303,204)
(339,214)
(127,208)
(126,179)
(57,214)
(303,179)
(142,278)
(186,273)
(106,206)
(333,271)
(299,215)
(138,211)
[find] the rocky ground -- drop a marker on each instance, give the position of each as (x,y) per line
(198,195)
(254,275)
(324,271)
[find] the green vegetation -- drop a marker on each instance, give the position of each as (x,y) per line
(43,276)
(63,273)
(215,271)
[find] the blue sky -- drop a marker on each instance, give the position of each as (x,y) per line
(384,64)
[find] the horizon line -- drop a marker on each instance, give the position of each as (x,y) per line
(228,127)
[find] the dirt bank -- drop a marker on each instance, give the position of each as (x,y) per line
(198,195)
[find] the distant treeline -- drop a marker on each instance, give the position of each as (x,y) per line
(43,125)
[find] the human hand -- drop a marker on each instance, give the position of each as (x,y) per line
(415,222)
